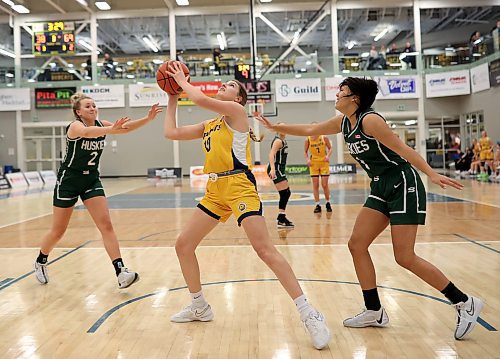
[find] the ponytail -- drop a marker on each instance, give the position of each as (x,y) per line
(253,137)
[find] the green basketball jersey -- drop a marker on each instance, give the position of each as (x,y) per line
(83,154)
(373,156)
(282,153)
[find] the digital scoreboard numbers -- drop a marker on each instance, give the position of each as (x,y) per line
(53,38)
(243,72)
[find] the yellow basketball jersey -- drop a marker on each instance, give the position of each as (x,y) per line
(225,149)
(317,148)
(484,142)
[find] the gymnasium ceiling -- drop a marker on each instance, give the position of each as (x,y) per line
(120,30)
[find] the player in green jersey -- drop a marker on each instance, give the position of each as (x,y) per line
(397,198)
(79,177)
(276,171)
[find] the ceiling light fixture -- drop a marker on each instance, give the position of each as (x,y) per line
(21,9)
(87,46)
(7,53)
(379,36)
(150,44)
(102,5)
(182,2)
(221,39)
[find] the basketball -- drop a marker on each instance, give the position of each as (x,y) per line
(166,82)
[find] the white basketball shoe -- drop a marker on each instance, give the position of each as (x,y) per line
(368,318)
(191,314)
(126,278)
(467,315)
(319,332)
(41,272)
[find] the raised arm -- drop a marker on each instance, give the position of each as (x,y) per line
(328,127)
(375,126)
(170,129)
(232,110)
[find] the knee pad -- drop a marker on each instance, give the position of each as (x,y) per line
(284,196)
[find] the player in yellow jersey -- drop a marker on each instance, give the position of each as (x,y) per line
(486,155)
(317,152)
(231,189)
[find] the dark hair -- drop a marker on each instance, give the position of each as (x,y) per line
(242,92)
(365,89)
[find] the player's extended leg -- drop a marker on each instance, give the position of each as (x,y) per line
(284,193)
(198,226)
(468,307)
(256,230)
(60,220)
(315,184)
(99,211)
(326,191)
(369,224)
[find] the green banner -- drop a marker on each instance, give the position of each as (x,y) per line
(297,170)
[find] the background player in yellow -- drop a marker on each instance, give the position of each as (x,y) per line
(230,190)
(317,152)
(486,155)
(79,177)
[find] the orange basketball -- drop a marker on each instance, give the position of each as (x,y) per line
(166,82)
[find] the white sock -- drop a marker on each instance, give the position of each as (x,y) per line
(317,203)
(198,299)
(303,306)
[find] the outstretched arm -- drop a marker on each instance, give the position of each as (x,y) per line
(170,129)
(375,126)
(135,124)
(306,152)
(229,108)
(329,127)
(77,129)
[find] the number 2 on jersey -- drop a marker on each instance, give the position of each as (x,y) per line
(91,162)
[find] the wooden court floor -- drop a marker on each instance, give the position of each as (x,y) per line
(81,313)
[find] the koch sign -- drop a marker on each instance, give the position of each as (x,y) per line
(397,87)
(299,90)
(447,84)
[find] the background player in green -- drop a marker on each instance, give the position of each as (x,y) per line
(397,197)
(276,171)
(79,177)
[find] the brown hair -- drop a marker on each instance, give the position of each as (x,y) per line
(253,137)
(242,92)
(75,101)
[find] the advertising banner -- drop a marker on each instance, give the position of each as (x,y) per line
(297,170)
(342,168)
(16,179)
(165,172)
(106,96)
(54,97)
(495,73)
(480,78)
(332,87)
(447,84)
(33,178)
(4,184)
(15,99)
(146,95)
(298,90)
(397,87)
(48,176)
(209,88)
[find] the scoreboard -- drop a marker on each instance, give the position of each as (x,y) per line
(243,72)
(53,38)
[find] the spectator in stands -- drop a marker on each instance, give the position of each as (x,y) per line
(88,68)
(382,51)
(375,60)
(178,56)
(476,150)
(474,41)
(409,60)
(495,34)
(217,56)
(496,163)
(108,66)
(393,50)
(462,165)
